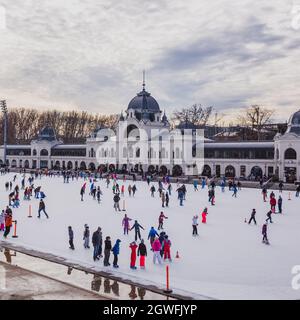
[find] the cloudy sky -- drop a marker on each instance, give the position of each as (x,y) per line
(90,54)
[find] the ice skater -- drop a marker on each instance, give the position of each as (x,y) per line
(107,249)
(161,220)
(252,218)
(42,207)
(264,233)
(71,238)
(116,252)
(195,225)
(133,246)
(125,224)
(86,237)
(136,226)
(142,253)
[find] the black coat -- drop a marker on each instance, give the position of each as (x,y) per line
(142,250)
(107,245)
(96,238)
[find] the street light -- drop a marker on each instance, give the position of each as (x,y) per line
(4,111)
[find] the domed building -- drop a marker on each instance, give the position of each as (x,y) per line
(143,142)
(287,150)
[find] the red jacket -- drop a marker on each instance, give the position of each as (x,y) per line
(167,245)
(273,202)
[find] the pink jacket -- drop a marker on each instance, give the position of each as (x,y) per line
(156,246)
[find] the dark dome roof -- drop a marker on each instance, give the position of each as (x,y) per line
(294,123)
(144,101)
(47,133)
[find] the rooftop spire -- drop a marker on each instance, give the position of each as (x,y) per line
(144,80)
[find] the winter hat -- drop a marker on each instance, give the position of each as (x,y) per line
(142,241)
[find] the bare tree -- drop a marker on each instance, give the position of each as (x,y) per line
(256,117)
(196,114)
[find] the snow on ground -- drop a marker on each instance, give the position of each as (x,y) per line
(226,261)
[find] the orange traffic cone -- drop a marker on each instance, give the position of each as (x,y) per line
(15,229)
(177,255)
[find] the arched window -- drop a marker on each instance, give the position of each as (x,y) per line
(290,154)
(34,152)
(137,152)
(44,152)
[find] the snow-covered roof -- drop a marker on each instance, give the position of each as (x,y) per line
(243,144)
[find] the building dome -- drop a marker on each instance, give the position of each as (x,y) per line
(47,133)
(294,123)
(144,101)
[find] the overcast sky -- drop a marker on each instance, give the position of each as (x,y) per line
(89,55)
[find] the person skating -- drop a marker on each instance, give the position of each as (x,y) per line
(99,194)
(161,220)
(82,191)
(180,196)
(129,190)
(116,252)
(264,233)
(204,214)
(273,203)
(163,199)
(252,218)
(280,186)
(156,247)
(2,220)
(167,249)
(195,183)
(152,190)
(235,190)
(297,191)
(142,253)
(195,225)
(169,189)
(8,224)
(167,199)
(71,238)
(136,226)
(269,215)
(96,241)
(117,202)
(152,234)
(86,237)
(100,244)
(107,249)
(125,224)
(133,246)
(134,189)
(279,203)
(42,207)
(264,193)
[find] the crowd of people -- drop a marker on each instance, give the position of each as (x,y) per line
(159,241)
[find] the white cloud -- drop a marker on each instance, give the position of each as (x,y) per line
(90,54)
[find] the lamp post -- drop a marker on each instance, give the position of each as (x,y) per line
(4,111)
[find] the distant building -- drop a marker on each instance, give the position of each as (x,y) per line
(222,157)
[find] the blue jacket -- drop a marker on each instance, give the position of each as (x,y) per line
(116,247)
(152,233)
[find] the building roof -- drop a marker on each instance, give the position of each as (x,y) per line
(144,101)
(245,145)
